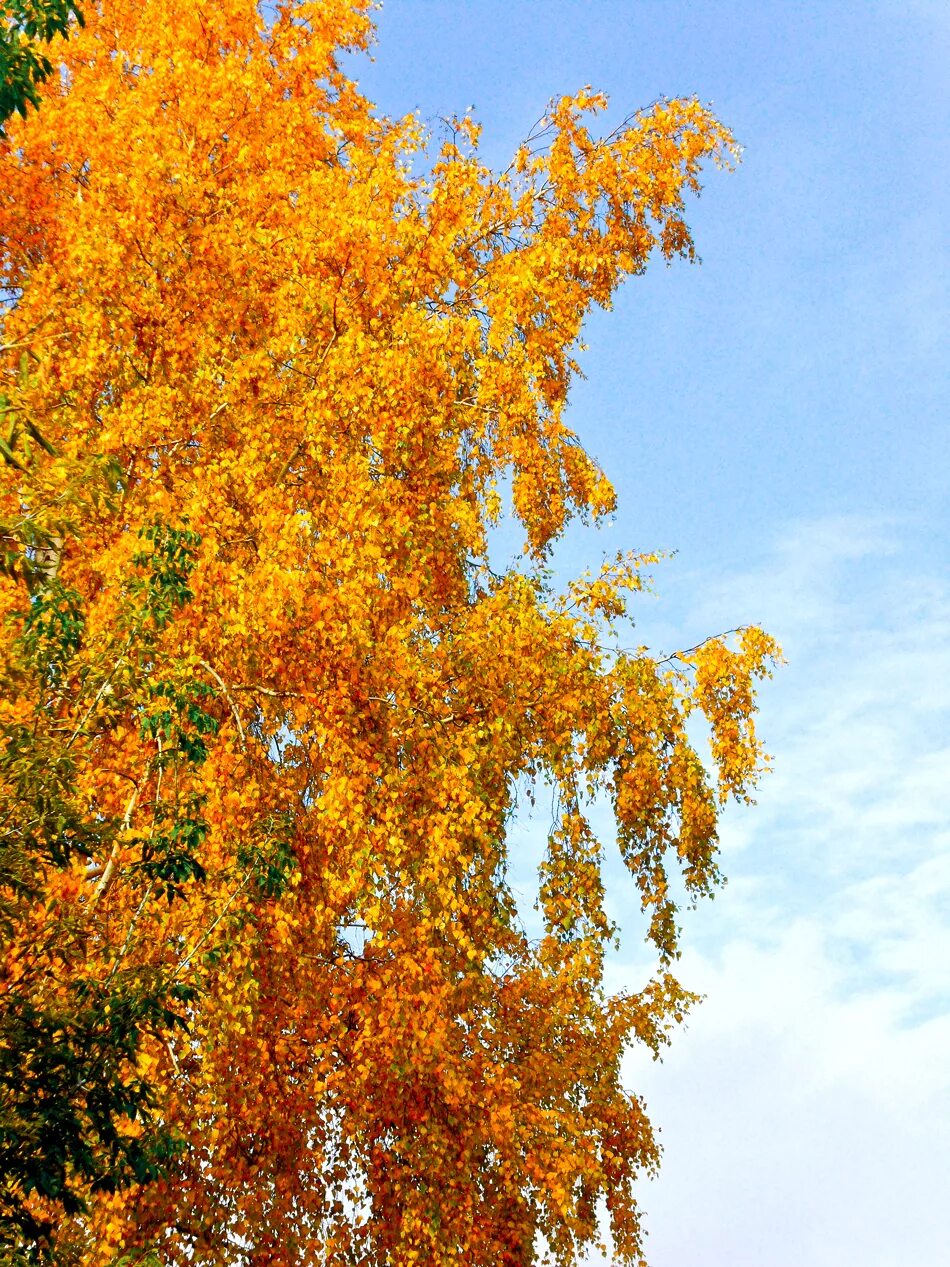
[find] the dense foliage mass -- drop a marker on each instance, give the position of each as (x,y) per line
(267,702)
(26,28)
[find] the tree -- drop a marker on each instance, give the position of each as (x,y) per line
(25,26)
(310,377)
(75,1115)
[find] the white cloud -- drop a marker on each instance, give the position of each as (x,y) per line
(804,1109)
(802,1122)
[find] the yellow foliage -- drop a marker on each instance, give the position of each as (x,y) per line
(234,288)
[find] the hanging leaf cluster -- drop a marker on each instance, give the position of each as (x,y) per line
(273,370)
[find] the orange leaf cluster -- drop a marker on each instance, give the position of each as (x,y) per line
(238,295)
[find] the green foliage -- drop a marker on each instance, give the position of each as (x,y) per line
(270,859)
(165,569)
(26,26)
(52,631)
(68,1098)
(170,858)
(175,715)
(75,1117)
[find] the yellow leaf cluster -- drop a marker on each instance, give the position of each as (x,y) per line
(239,297)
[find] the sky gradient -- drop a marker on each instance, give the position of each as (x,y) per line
(778,416)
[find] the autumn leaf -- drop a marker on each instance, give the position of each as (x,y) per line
(268,700)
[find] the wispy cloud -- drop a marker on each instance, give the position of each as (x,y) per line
(803,1111)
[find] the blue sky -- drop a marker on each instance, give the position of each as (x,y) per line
(779,417)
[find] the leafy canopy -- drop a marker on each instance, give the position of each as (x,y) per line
(267,390)
(25,27)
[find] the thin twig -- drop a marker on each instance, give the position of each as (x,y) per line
(298,449)
(107,873)
(99,694)
(186,962)
(680,655)
(175,1065)
(227,695)
(128,936)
